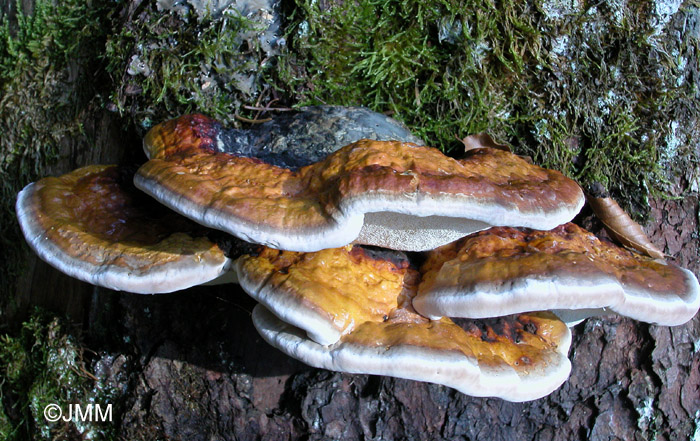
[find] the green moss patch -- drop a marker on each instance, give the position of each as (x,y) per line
(49,63)
(595,92)
(44,364)
(164,64)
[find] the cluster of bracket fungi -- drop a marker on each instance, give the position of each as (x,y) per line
(383,258)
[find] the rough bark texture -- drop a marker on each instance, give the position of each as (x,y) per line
(191,366)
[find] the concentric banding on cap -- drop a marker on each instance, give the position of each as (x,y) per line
(93,225)
(328,293)
(323,205)
(524,359)
(505,270)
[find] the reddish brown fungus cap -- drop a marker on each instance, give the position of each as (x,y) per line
(349,309)
(328,293)
(516,358)
(386,193)
(507,270)
(93,225)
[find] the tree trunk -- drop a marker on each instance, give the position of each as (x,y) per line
(190,365)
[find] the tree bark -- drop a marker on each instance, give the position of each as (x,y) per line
(190,365)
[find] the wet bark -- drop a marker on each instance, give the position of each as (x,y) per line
(196,368)
(190,365)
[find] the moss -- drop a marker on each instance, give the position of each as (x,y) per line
(65,61)
(47,73)
(165,64)
(44,364)
(389,56)
(590,91)
(605,93)
(610,99)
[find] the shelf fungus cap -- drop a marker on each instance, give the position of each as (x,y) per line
(329,292)
(507,270)
(516,358)
(384,193)
(92,224)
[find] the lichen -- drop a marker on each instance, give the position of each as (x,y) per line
(177,57)
(43,364)
(606,93)
(592,91)
(646,414)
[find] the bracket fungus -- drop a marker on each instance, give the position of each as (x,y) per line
(337,305)
(327,293)
(93,225)
(384,193)
(506,270)
(349,309)
(516,358)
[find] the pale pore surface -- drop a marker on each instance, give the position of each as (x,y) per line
(406,232)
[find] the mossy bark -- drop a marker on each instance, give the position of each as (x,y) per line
(190,366)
